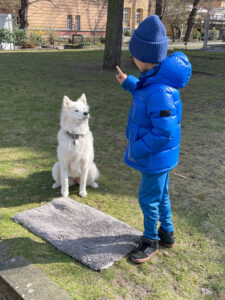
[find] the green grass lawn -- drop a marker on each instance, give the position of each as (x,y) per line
(32,86)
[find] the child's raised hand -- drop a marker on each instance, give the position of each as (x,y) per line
(120,76)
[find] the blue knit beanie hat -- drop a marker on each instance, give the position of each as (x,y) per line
(149,42)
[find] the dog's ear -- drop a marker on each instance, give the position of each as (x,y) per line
(83,99)
(66,101)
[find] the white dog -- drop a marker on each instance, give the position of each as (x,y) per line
(75,149)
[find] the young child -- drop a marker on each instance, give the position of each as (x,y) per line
(154,128)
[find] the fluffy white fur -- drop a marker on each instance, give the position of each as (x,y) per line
(76,157)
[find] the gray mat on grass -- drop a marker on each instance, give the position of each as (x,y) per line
(85,233)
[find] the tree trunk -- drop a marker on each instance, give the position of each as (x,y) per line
(173,32)
(191,19)
(149,7)
(23,14)
(159,8)
(24,4)
(113,39)
(179,33)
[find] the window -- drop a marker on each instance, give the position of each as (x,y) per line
(77,22)
(126,15)
(69,22)
(138,15)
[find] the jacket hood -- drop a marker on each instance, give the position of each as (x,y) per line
(175,71)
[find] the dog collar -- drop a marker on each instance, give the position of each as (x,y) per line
(74,136)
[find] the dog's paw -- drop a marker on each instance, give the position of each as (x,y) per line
(94,185)
(82,194)
(55,185)
(65,193)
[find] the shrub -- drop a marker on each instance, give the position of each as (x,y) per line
(37,38)
(52,36)
(28,44)
(223,35)
(19,36)
(89,39)
(214,34)
(127,33)
(5,36)
(196,35)
(102,40)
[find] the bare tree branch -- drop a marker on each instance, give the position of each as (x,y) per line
(24,9)
(191,20)
(175,15)
(35,1)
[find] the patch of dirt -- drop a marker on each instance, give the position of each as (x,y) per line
(135,292)
(206,291)
(19,171)
(204,74)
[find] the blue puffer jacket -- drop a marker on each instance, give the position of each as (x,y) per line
(154,121)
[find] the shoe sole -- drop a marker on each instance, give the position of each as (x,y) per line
(142,260)
(166,245)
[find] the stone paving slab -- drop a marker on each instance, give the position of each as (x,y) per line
(19,279)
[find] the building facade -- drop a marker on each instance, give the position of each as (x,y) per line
(69,16)
(87,17)
(135,11)
(10,7)
(212,4)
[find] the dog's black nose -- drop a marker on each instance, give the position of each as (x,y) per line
(85,113)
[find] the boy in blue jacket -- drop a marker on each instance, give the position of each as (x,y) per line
(154,128)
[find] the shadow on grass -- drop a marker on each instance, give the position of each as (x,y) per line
(47,253)
(37,188)
(41,252)
(20,191)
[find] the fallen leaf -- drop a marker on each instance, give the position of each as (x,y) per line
(206,291)
(166,253)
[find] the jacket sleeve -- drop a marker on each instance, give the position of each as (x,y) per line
(164,120)
(129,83)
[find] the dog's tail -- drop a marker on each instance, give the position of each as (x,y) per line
(93,173)
(56,172)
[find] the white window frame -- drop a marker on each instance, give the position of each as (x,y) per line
(77,22)
(126,15)
(69,22)
(138,15)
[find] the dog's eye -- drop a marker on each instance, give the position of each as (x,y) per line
(76,110)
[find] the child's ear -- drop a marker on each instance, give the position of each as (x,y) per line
(83,99)
(66,102)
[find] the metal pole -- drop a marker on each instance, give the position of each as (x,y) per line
(206,30)
(95,29)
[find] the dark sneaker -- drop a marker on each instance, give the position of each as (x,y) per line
(166,238)
(146,251)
